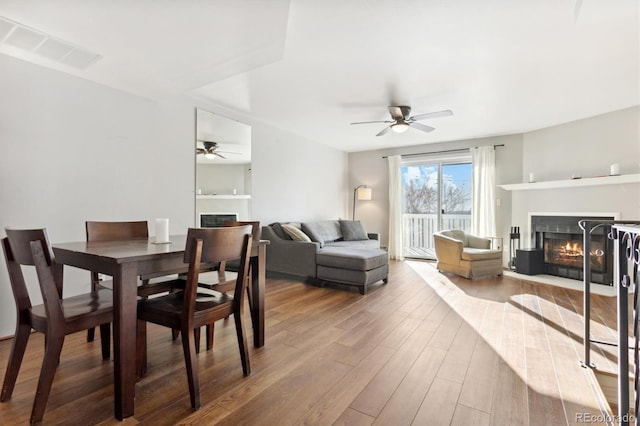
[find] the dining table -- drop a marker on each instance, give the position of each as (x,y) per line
(125,261)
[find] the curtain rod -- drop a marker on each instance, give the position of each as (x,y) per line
(441,152)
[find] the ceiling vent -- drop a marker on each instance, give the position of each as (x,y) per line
(18,36)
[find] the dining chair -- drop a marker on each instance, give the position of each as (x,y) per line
(55,317)
(99,231)
(185,310)
(222,280)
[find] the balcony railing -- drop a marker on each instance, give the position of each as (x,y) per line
(419,228)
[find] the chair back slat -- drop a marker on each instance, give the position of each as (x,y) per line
(206,245)
(48,274)
(243,276)
(255,230)
(18,251)
(116,231)
(16,279)
(19,240)
(219,244)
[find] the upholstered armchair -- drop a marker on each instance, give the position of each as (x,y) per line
(467,255)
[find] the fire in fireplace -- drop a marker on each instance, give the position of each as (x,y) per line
(567,251)
(561,239)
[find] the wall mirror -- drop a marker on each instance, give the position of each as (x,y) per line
(223,169)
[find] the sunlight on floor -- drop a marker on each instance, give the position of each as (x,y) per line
(544,352)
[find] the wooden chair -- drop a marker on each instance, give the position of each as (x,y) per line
(181,310)
(56,317)
(118,231)
(222,280)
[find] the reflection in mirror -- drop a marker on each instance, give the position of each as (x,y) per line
(223,169)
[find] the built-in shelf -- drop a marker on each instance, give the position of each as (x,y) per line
(223,197)
(573,183)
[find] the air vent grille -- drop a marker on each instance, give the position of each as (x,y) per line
(38,43)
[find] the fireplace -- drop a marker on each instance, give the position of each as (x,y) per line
(561,240)
(214,220)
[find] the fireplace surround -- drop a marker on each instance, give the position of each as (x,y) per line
(561,239)
(216,219)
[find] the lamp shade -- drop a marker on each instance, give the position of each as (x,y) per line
(400,127)
(364,193)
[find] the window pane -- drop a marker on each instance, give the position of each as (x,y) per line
(420,189)
(456,188)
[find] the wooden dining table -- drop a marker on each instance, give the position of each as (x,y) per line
(125,261)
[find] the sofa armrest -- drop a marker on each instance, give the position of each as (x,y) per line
(448,250)
(374,236)
(288,256)
(478,242)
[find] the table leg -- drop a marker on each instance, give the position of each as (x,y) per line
(124,339)
(258,278)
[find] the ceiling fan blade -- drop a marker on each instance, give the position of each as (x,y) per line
(369,122)
(200,151)
(445,113)
(383,131)
(228,152)
(420,126)
(217,154)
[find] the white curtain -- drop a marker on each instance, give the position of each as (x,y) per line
(395,208)
(483,211)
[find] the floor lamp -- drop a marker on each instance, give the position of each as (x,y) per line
(361,192)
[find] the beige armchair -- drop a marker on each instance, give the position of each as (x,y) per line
(467,255)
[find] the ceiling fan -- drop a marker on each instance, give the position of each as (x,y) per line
(210,150)
(402,120)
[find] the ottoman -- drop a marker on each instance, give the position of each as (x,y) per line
(353,266)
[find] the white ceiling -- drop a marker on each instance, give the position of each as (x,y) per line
(312,67)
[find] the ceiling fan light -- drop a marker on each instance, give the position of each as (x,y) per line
(209,156)
(400,127)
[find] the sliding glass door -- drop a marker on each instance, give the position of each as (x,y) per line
(436,195)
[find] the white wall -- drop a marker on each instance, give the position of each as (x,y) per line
(296,179)
(72,150)
(588,147)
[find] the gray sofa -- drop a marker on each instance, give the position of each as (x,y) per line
(328,254)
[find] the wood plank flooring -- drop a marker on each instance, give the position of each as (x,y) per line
(425,349)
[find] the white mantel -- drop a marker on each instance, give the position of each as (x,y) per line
(573,183)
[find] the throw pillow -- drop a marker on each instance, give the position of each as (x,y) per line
(295,233)
(352,230)
(277,229)
(325,231)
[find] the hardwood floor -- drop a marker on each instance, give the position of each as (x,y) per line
(425,349)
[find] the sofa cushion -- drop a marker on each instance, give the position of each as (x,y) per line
(360,278)
(352,230)
(368,244)
(480,254)
(295,233)
(322,231)
(352,258)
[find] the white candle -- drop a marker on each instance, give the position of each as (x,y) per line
(162,230)
(532,177)
(614,169)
